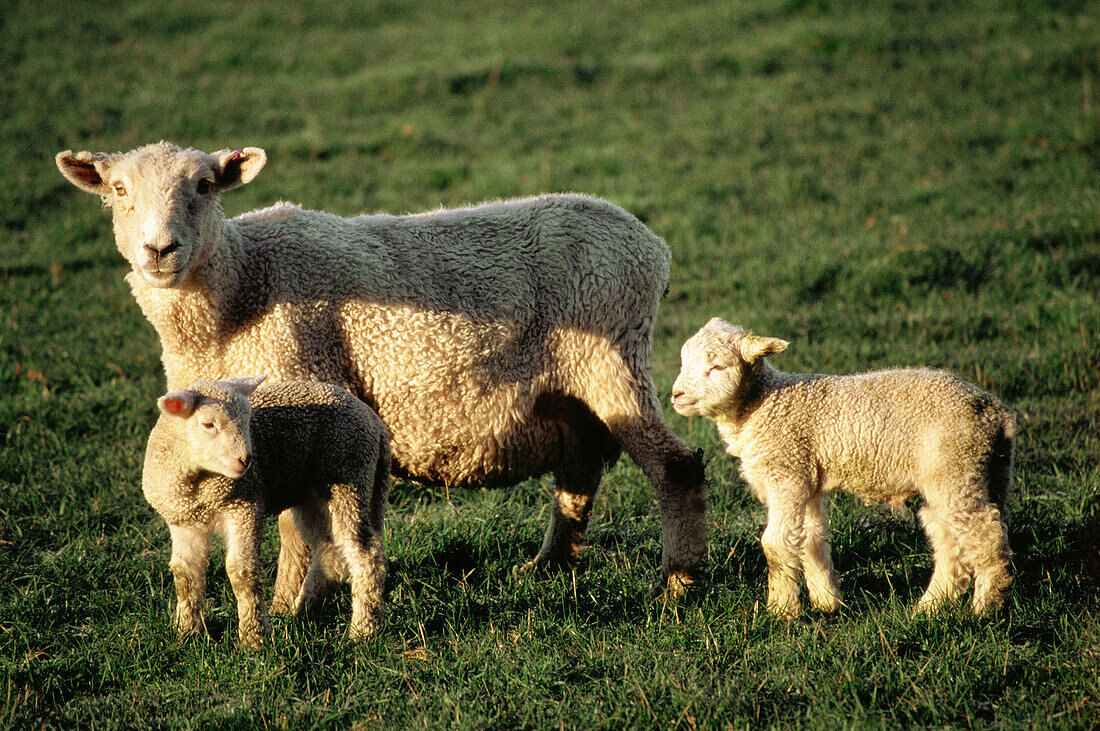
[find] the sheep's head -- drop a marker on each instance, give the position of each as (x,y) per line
(164,200)
(716,367)
(212,419)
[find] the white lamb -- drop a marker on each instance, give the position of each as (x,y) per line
(217,462)
(880,436)
(496,343)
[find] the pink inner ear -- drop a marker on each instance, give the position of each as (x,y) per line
(235,156)
(173,405)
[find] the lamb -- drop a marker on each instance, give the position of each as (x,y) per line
(215,461)
(884,435)
(496,342)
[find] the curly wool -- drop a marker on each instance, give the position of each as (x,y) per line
(885,435)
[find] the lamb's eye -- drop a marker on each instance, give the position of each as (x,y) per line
(715,369)
(120,190)
(210,427)
(203,186)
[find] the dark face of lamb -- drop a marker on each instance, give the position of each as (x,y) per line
(164,201)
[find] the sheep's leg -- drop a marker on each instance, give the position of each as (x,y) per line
(817,563)
(783,542)
(677,474)
(983,549)
(615,385)
(243,531)
(950,577)
(574,492)
(363,552)
(190,548)
(293,563)
(326,568)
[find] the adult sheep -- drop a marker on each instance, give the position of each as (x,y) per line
(496,342)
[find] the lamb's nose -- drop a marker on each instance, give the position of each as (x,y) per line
(244,461)
(677,393)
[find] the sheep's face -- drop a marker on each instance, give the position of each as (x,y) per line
(214,425)
(716,368)
(165,203)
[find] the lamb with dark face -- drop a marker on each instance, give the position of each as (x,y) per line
(224,454)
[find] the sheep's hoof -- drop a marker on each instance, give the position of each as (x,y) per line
(540,564)
(673,585)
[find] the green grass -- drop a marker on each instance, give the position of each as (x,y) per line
(882,183)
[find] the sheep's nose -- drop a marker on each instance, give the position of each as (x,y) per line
(677,393)
(245,461)
(162,247)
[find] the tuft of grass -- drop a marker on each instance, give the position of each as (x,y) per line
(909,183)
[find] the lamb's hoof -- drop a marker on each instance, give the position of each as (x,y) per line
(283,606)
(785,611)
(251,641)
(363,630)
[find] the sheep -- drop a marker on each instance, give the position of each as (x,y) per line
(884,435)
(225,453)
(497,342)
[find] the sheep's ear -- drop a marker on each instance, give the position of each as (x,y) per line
(177,403)
(234,168)
(244,386)
(755,347)
(85,170)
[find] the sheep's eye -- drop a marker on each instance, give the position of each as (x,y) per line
(210,427)
(715,369)
(203,186)
(120,190)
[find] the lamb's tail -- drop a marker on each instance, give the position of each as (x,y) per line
(1001,462)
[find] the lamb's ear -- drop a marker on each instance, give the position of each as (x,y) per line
(244,386)
(234,168)
(177,403)
(755,347)
(85,170)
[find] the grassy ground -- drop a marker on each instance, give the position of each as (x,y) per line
(881,183)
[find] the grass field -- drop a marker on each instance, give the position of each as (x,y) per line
(882,183)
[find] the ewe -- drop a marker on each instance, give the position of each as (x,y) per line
(496,343)
(879,436)
(217,462)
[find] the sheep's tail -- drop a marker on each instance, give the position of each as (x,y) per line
(1000,469)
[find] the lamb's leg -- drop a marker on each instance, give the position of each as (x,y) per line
(574,492)
(983,549)
(783,541)
(817,563)
(190,547)
(326,567)
(363,552)
(950,577)
(243,531)
(293,563)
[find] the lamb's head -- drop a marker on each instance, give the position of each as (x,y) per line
(717,368)
(211,421)
(164,200)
